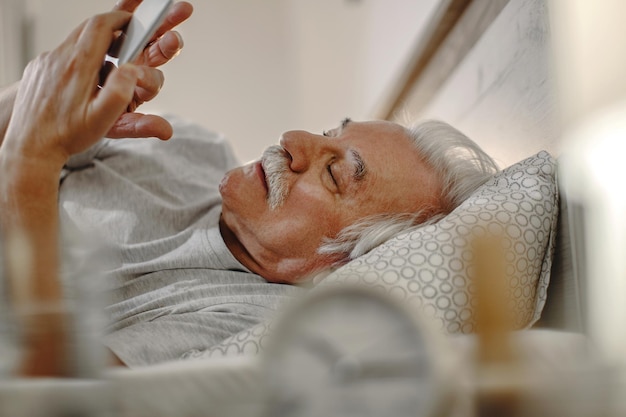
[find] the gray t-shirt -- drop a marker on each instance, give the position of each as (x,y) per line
(175,287)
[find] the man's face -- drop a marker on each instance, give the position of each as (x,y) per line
(328,181)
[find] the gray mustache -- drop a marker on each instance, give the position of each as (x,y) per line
(275,163)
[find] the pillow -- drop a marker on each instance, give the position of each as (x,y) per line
(430,265)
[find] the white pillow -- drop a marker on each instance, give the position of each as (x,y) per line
(429,265)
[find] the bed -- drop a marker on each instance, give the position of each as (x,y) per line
(498,54)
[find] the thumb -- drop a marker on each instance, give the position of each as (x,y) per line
(113,98)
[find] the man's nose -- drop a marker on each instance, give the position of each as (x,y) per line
(303,148)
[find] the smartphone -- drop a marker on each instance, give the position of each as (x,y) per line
(142,26)
(144,23)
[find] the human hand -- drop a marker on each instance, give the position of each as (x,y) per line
(164,46)
(58,110)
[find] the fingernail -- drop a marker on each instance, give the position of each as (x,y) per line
(180,39)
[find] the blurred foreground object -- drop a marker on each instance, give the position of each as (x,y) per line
(590,63)
(351,350)
(51,356)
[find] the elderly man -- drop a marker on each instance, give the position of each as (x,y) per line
(196,237)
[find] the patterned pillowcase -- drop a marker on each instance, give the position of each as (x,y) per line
(431,265)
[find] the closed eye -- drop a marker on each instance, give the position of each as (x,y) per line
(329,168)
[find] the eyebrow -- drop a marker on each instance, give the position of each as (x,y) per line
(360,169)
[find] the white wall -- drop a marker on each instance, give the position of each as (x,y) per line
(349,52)
(252,69)
(502,94)
(11,42)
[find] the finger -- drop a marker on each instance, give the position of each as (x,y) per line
(112,99)
(163,50)
(178,13)
(96,37)
(137,125)
(149,84)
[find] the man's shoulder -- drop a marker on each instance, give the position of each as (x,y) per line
(195,141)
(190,129)
(190,144)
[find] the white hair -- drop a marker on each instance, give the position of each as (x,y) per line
(461,165)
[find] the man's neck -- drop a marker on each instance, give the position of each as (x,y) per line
(237,249)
